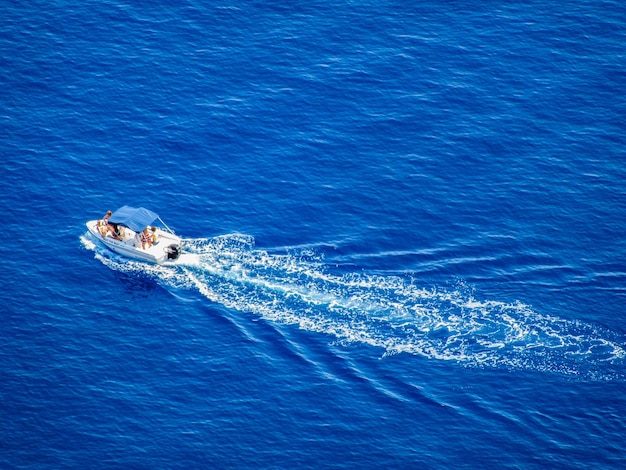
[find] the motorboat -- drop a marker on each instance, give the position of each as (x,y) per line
(134,232)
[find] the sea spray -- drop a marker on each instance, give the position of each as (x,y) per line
(391,312)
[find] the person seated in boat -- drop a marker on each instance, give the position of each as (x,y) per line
(120,232)
(107,229)
(154,234)
(103,224)
(115,231)
(145,238)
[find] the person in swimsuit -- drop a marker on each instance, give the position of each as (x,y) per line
(146,238)
(103,224)
(154,235)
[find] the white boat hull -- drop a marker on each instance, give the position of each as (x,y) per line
(157,253)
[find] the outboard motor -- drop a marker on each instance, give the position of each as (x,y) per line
(173,251)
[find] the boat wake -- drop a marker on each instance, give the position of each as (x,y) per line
(391,312)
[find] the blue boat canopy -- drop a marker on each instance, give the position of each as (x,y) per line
(135,218)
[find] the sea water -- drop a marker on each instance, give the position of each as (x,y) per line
(403,227)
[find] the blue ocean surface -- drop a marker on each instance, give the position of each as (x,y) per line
(404,227)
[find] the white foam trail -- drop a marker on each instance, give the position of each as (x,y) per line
(390,312)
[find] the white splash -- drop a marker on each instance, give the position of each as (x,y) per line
(387,311)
